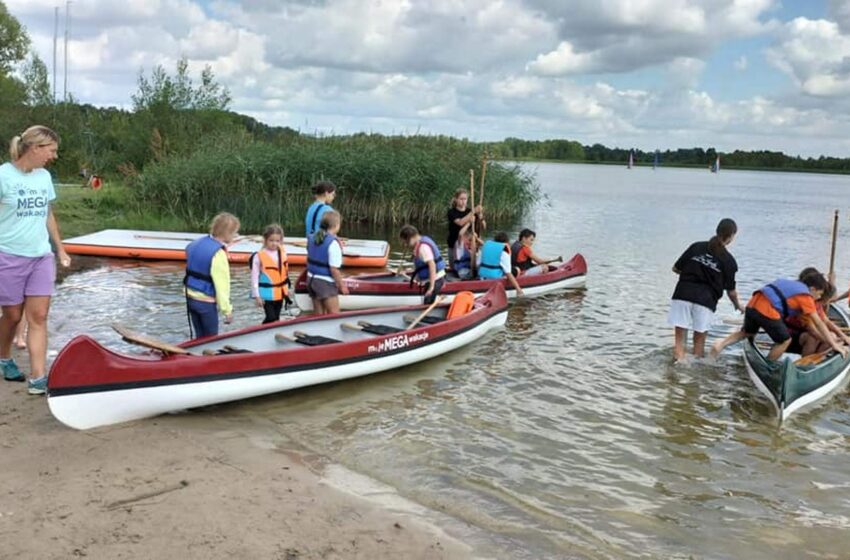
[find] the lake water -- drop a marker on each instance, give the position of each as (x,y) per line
(570,433)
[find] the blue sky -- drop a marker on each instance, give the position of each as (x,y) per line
(749,74)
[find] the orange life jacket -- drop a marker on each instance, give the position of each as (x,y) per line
(461,305)
(274,276)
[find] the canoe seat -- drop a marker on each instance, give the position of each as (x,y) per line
(378,329)
(314,339)
(427,319)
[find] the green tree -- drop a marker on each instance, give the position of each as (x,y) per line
(178,92)
(36,81)
(14,42)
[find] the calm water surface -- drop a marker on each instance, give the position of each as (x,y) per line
(570,433)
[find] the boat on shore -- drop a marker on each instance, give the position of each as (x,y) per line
(388,289)
(793,383)
(170,246)
(90,385)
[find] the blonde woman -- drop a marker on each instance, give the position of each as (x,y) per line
(207,277)
(27,264)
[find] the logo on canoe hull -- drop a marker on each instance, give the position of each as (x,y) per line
(397,342)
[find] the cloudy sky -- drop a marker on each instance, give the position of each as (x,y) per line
(750,74)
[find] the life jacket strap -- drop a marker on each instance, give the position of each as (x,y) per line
(782,300)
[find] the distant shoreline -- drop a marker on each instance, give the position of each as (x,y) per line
(683,166)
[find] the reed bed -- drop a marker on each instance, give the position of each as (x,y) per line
(381,180)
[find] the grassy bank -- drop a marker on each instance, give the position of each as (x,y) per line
(80,211)
(381,180)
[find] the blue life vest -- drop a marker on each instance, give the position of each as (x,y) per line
(421,267)
(199,256)
(463,263)
(778,293)
(318,256)
(491,255)
(314,217)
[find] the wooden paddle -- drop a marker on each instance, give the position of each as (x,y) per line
(831,275)
(147,341)
(422,315)
(813,359)
(483,175)
(473,265)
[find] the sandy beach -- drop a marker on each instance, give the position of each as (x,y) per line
(184,486)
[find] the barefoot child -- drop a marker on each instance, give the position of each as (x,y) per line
(494,261)
(324,192)
(706,269)
(324,259)
(523,259)
(270,274)
(771,305)
(430,271)
(207,277)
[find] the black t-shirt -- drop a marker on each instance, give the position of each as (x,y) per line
(703,277)
(454,229)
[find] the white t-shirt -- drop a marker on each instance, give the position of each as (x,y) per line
(334,261)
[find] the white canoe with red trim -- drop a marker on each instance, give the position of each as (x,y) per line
(91,386)
(387,289)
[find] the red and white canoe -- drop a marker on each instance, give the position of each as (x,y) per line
(170,246)
(387,289)
(91,386)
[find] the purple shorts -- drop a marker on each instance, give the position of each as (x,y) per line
(22,277)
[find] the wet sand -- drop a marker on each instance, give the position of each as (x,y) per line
(184,486)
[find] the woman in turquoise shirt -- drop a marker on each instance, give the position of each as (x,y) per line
(27,265)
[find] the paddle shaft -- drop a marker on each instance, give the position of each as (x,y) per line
(473,265)
(831,275)
(428,310)
(483,175)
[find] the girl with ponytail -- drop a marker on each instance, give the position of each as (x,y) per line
(27,264)
(324,259)
(706,269)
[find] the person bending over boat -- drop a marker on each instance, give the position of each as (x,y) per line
(705,270)
(270,274)
(495,261)
(523,259)
(324,259)
(324,192)
(430,268)
(458,216)
(463,253)
(27,264)
(773,304)
(804,337)
(207,277)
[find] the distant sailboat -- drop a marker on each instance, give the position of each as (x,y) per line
(716,166)
(655,161)
(631,159)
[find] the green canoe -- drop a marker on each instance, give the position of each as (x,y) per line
(791,387)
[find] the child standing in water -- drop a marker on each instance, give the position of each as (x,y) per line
(324,259)
(270,274)
(207,278)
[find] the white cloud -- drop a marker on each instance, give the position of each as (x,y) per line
(816,55)
(481,68)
